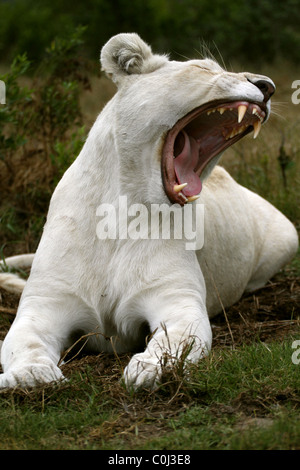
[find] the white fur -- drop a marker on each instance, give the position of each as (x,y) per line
(80,284)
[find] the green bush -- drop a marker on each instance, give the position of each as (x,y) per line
(260,30)
(41,133)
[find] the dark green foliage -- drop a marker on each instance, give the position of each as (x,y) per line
(259,30)
(41,133)
(16,108)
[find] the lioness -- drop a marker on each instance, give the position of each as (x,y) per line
(155,142)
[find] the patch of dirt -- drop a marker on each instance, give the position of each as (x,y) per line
(248,422)
(266,315)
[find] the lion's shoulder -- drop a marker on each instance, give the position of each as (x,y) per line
(219,177)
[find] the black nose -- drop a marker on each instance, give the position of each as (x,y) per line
(267,88)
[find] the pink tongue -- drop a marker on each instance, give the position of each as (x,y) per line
(185,163)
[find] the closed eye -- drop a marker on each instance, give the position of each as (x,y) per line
(212,67)
(201,67)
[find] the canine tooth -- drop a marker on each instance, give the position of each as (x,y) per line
(241,112)
(257,127)
(178,187)
(193,198)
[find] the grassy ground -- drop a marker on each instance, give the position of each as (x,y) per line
(242,399)
(245,395)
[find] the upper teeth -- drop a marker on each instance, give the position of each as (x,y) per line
(255,111)
(242,109)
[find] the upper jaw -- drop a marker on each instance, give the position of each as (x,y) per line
(208,130)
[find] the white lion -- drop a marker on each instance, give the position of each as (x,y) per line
(155,142)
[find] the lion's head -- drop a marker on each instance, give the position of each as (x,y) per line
(185,113)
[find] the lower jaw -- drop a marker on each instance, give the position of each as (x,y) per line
(210,166)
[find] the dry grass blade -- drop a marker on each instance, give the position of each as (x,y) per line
(10,311)
(84,339)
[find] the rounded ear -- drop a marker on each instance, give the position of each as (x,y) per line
(127,54)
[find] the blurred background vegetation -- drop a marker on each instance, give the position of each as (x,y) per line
(49,60)
(256,30)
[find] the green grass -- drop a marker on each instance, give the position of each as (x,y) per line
(50,418)
(251,401)
(246,398)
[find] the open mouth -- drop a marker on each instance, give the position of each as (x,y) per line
(200,136)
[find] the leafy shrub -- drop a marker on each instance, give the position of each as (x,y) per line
(41,133)
(260,30)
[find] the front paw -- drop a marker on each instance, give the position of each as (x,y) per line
(31,376)
(143,371)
